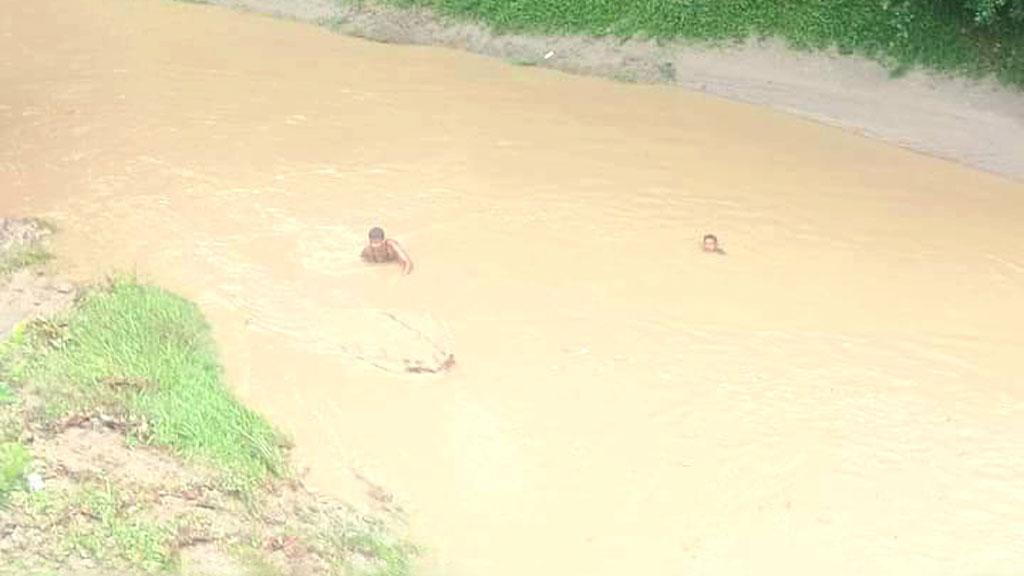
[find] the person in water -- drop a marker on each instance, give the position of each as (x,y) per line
(381,249)
(711,244)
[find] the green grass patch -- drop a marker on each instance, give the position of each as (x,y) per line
(365,548)
(937,34)
(390,558)
(112,531)
(11,423)
(14,461)
(98,521)
(25,257)
(150,354)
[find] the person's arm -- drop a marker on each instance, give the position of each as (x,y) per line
(365,255)
(402,257)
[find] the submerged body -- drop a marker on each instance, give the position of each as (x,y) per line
(381,250)
(710,245)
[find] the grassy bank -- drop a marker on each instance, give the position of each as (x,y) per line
(940,35)
(146,355)
(122,452)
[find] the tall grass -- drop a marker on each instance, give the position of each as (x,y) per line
(14,461)
(938,34)
(155,350)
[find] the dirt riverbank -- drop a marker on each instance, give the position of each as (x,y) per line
(27,291)
(976,122)
(82,491)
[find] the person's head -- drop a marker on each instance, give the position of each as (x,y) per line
(376,236)
(710,243)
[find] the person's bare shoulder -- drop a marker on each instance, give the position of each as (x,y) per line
(400,255)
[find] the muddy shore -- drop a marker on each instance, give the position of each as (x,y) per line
(975,122)
(83,492)
(29,293)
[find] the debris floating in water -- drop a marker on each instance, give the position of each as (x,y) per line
(418,368)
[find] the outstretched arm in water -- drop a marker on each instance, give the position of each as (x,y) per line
(401,256)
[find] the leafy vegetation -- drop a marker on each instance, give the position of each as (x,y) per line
(974,37)
(14,461)
(142,351)
(990,11)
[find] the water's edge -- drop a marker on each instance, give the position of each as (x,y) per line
(978,123)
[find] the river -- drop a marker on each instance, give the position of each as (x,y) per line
(840,394)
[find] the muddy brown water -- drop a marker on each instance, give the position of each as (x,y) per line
(841,394)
